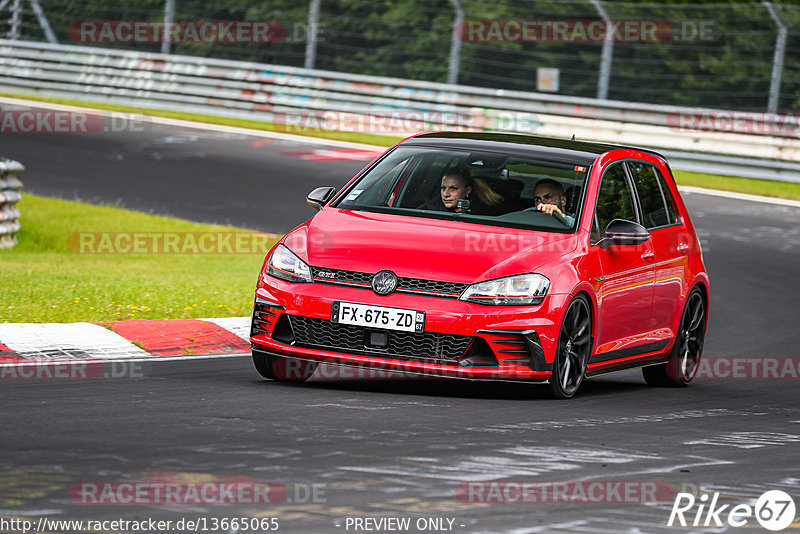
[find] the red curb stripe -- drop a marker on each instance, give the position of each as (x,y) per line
(179,337)
(8,355)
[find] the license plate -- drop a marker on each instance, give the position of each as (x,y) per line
(378,317)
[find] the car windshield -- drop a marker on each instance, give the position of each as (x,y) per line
(478,187)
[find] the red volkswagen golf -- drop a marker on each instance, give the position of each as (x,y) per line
(490,256)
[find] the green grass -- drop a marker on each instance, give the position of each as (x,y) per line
(768,188)
(44,279)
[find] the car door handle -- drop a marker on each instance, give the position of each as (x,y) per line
(648,255)
(684,248)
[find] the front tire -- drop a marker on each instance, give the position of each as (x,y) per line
(281,368)
(573,349)
(684,360)
(263,364)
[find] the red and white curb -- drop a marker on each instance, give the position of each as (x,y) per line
(20,342)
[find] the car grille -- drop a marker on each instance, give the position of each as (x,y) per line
(315,333)
(434,288)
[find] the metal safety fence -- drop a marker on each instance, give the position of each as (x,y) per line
(10,194)
(731,55)
(298,100)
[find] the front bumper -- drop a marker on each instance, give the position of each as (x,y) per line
(461,339)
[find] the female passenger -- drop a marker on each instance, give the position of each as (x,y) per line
(458,184)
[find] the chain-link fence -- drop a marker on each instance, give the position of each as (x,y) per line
(734,56)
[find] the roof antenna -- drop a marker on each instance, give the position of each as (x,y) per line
(573,137)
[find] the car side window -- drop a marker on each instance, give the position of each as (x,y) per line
(614,199)
(672,212)
(651,197)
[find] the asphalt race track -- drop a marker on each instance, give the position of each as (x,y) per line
(347,448)
(199,175)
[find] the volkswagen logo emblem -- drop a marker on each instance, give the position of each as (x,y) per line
(384,282)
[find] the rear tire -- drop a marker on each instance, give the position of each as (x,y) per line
(684,359)
(281,368)
(573,349)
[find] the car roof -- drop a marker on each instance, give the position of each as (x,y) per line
(546,148)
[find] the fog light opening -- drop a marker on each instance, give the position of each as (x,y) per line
(283,330)
(478,354)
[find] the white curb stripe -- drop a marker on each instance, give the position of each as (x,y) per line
(67,341)
(239,326)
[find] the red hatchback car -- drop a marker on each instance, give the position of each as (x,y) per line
(490,256)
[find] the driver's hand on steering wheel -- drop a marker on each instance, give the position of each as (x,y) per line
(549,209)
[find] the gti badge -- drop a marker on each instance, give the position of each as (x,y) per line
(384,282)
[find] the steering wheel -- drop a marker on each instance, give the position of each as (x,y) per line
(560,218)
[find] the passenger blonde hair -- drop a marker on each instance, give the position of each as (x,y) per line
(482,190)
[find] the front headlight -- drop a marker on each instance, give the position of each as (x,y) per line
(519,290)
(284,264)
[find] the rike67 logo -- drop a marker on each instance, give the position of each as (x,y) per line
(774,510)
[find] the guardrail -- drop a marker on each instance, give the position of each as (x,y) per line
(271,93)
(10,186)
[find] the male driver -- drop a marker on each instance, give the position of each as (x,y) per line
(548,197)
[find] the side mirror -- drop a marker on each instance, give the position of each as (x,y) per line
(320,196)
(621,232)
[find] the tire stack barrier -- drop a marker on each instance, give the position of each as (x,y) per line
(10,194)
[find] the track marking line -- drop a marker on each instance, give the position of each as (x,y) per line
(739,196)
(149,359)
(193,125)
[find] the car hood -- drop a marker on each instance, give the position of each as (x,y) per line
(418,247)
